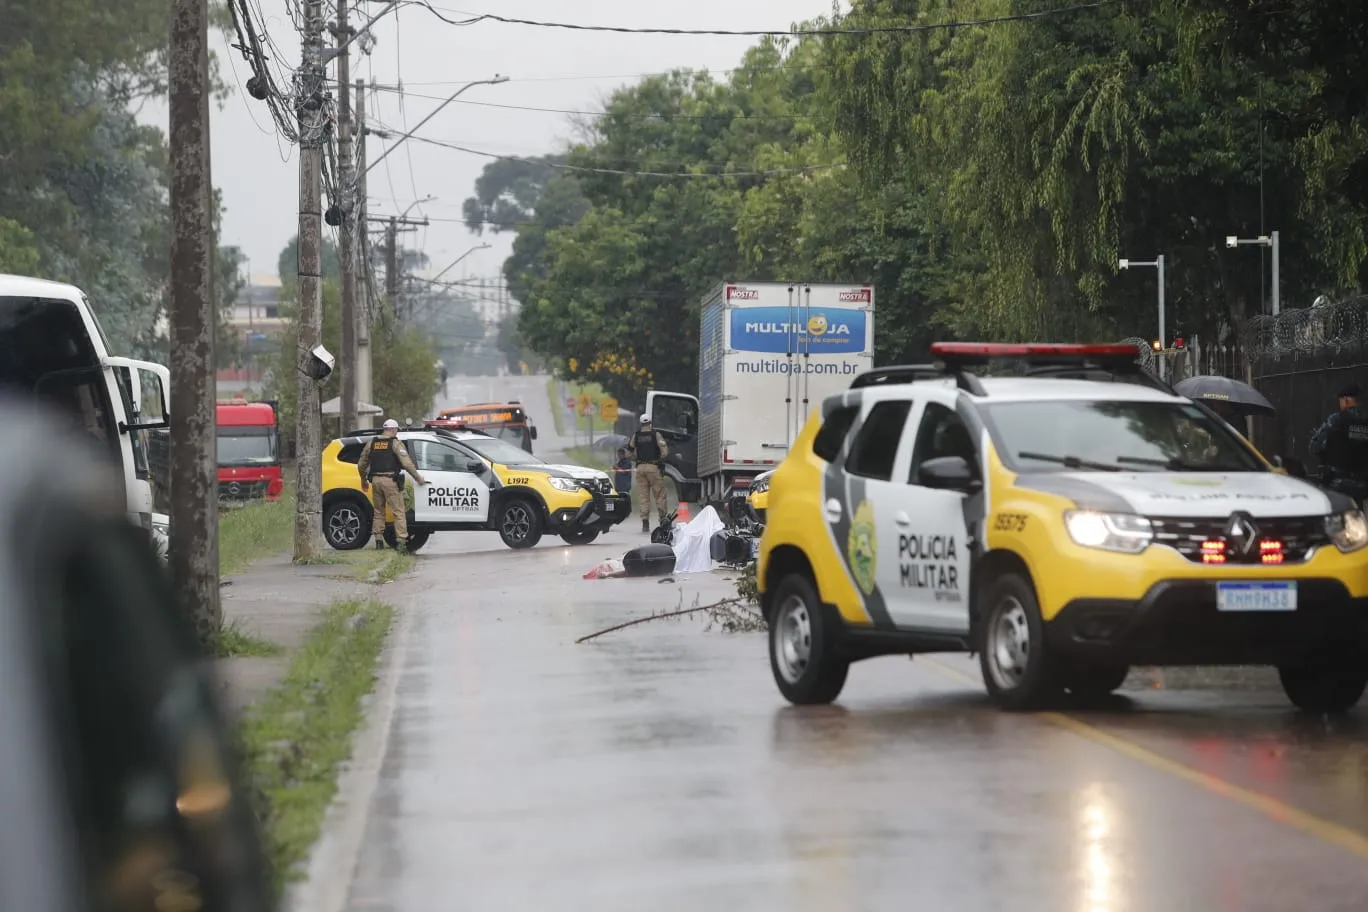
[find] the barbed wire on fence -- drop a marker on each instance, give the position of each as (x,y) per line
(1324,326)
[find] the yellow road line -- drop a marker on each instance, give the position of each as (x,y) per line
(1326,830)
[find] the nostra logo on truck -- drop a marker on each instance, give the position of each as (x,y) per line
(779,329)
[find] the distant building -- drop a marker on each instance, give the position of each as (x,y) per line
(257,323)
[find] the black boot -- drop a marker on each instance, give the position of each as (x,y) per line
(379,544)
(645,525)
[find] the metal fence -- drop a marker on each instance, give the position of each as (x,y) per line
(1300,359)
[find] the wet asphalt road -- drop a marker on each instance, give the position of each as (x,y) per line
(658,768)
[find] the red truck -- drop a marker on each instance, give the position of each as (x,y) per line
(248,451)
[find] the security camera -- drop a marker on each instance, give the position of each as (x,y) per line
(321,363)
(1232,241)
(1125,264)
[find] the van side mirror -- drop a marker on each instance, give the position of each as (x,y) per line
(947,473)
(534,432)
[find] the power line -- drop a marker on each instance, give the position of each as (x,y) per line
(721,115)
(632,173)
(475,19)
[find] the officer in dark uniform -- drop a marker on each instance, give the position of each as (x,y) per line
(1341,445)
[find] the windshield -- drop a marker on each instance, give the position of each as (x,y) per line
(501,451)
(239,449)
(1069,435)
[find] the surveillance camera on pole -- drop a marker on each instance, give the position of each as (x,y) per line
(321,363)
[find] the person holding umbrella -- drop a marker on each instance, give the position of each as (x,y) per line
(1341,445)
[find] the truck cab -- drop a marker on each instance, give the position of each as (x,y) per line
(52,347)
(248,451)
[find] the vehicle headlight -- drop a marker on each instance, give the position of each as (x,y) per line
(1348,530)
(1109,531)
(564,484)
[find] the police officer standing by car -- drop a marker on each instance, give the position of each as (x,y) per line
(382,466)
(1341,445)
(648,451)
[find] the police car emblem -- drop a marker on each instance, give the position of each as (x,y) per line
(861,547)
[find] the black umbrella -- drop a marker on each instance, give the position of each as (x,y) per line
(1242,398)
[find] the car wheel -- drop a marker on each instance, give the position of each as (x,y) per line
(1016,666)
(416,540)
(803,655)
(1094,681)
(579,536)
(346,524)
(519,523)
(1325,688)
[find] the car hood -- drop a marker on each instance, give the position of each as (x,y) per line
(565,471)
(1196,494)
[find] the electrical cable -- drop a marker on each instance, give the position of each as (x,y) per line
(907,29)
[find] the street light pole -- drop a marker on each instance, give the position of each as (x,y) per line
(454,95)
(1157,263)
(457,260)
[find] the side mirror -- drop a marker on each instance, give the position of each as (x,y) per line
(947,473)
(475,466)
(534,432)
(1291,465)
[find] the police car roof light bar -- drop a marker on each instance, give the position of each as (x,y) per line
(910,373)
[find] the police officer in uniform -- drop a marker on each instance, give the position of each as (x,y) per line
(382,466)
(647,449)
(1341,445)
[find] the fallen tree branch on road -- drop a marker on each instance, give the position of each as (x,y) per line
(718,611)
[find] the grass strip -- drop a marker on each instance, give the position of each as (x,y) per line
(297,736)
(553,394)
(233,642)
(257,530)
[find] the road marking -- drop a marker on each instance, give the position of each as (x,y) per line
(1326,830)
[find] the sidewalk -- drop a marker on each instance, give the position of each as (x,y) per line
(278,602)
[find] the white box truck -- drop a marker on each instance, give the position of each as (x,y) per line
(769,353)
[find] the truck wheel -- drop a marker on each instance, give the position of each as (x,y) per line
(1016,665)
(519,522)
(579,536)
(1324,687)
(803,655)
(346,524)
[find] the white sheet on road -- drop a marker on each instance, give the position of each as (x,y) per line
(693,542)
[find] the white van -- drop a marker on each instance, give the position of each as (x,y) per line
(51,345)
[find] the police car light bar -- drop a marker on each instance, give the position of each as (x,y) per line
(1051,351)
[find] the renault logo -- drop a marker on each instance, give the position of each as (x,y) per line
(1241,533)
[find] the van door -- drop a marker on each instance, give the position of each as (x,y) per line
(143,427)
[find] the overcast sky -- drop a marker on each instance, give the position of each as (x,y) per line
(258,172)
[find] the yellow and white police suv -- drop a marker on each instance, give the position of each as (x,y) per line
(1065,525)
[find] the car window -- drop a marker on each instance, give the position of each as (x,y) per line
(351,453)
(942,433)
(1069,435)
(876,443)
(674,415)
(437,457)
(827,444)
(500,451)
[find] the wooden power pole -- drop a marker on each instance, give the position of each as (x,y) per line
(347,229)
(194,485)
(313,122)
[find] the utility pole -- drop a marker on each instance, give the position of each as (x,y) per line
(347,228)
(308,432)
(194,487)
(394,225)
(364,392)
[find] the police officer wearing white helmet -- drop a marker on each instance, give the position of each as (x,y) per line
(382,466)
